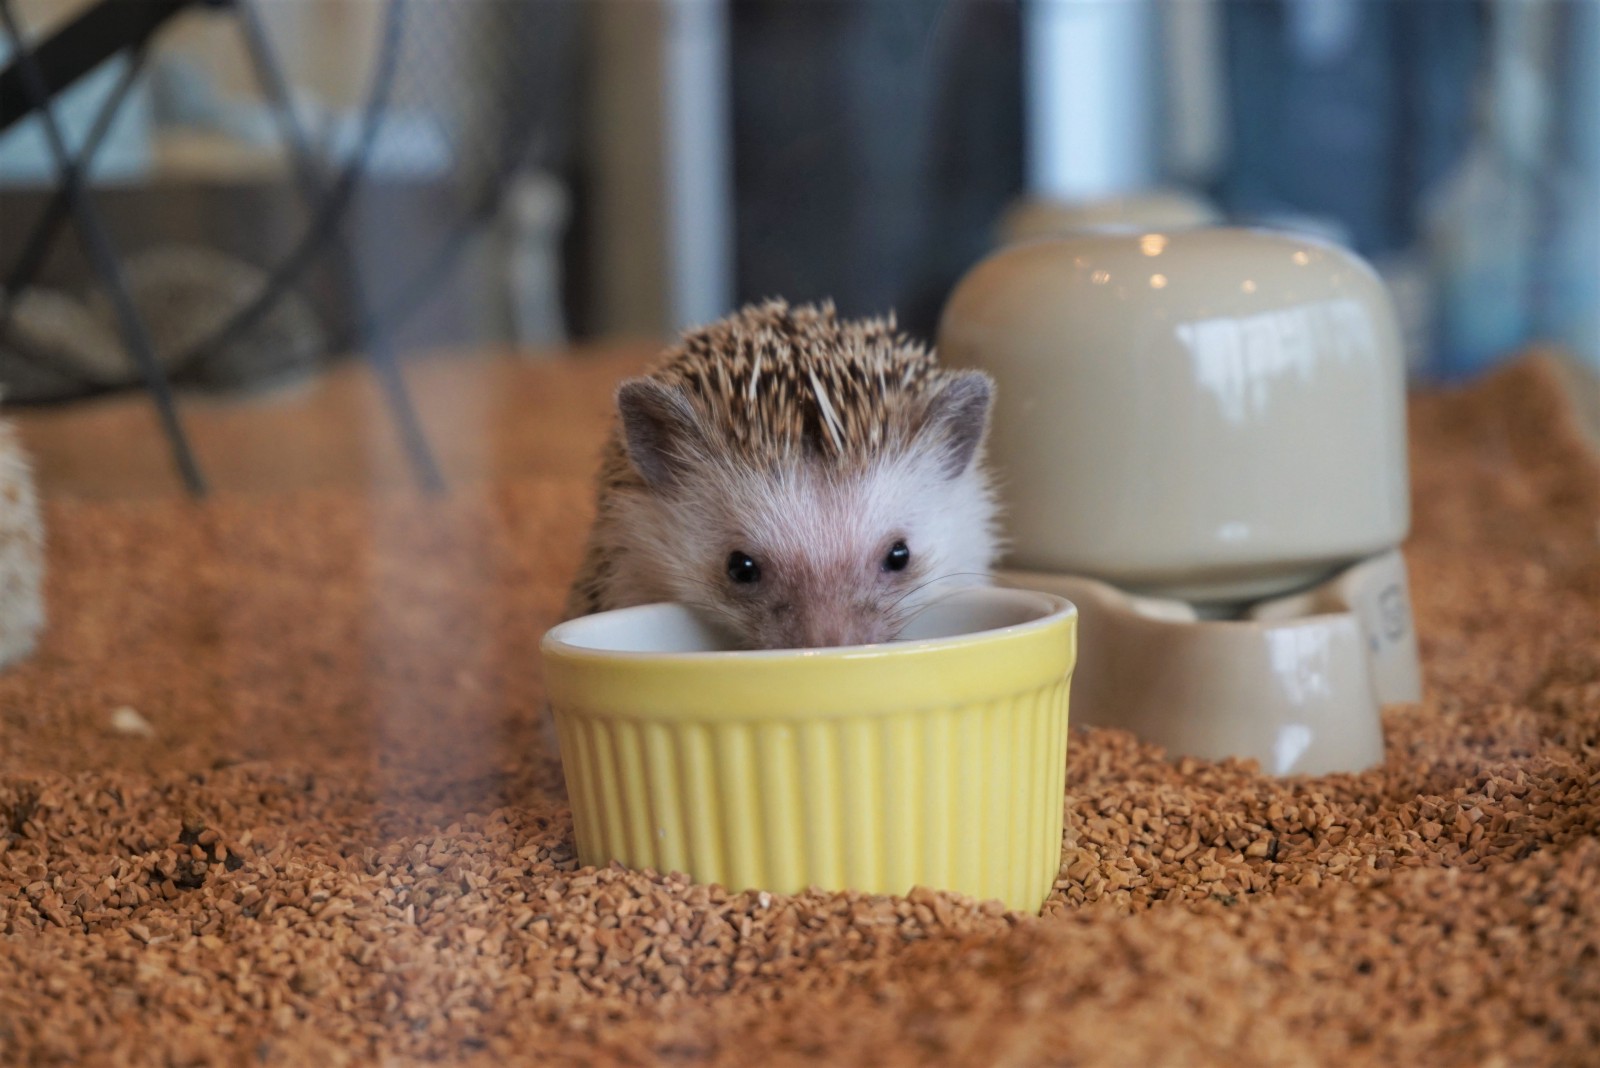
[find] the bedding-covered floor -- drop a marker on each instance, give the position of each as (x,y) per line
(273,791)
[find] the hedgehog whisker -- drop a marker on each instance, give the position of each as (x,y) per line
(919,587)
(924,585)
(902,620)
(900,617)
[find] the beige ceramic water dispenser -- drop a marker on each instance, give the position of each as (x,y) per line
(1201,441)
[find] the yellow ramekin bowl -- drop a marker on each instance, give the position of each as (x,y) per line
(938,760)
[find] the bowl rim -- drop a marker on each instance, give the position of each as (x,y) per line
(555,642)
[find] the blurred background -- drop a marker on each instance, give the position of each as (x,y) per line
(244,191)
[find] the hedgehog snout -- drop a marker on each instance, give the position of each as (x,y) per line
(819,625)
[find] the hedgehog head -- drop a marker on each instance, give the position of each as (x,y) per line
(806,480)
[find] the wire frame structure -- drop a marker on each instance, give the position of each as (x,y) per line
(492,114)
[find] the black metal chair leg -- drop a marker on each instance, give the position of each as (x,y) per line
(103,257)
(313,190)
(48,226)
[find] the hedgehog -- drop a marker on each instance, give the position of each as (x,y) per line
(797,479)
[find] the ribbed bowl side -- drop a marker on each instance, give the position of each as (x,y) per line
(967,798)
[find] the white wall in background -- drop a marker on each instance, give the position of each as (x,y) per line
(1195,109)
(1577,297)
(659,139)
(699,161)
(1091,97)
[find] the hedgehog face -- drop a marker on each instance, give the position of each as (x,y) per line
(812,549)
(812,556)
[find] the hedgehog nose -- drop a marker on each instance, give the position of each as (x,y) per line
(824,637)
(808,636)
(820,630)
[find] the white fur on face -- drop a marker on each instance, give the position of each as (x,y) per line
(819,537)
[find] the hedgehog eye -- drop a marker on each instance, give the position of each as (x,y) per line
(897,558)
(742,568)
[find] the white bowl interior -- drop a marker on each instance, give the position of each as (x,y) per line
(673,628)
(651,628)
(975,610)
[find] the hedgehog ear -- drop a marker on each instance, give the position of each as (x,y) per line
(659,428)
(958,417)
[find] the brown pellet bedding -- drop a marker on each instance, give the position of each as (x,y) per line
(273,791)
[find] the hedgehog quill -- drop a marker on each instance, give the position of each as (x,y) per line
(798,479)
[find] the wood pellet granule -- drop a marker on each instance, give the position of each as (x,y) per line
(339,842)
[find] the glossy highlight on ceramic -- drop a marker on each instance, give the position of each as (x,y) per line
(1297,684)
(1212,414)
(1201,439)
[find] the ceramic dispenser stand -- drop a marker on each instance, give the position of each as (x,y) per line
(1186,420)
(1298,684)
